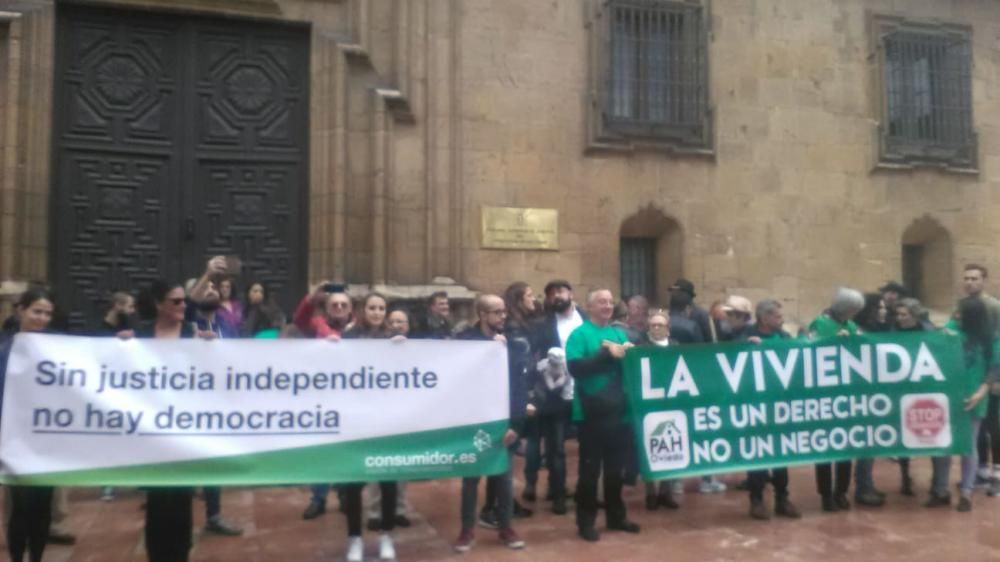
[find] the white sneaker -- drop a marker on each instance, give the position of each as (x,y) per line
(996,472)
(985,473)
(677,487)
(718,486)
(355,550)
(386,550)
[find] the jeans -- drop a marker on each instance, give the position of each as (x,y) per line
(550,429)
(320,492)
(864,479)
(942,469)
(213,501)
(505,499)
(603,447)
(988,438)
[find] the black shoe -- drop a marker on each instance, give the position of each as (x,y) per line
(625,526)
(938,501)
(220,526)
(668,502)
(529,493)
(521,512)
(314,510)
(589,534)
(841,502)
(402,521)
(879,493)
(374,524)
(828,504)
(964,505)
(759,511)
(559,506)
(869,499)
(652,503)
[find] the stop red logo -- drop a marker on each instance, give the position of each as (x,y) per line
(926,418)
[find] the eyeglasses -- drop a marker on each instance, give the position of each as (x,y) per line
(339,304)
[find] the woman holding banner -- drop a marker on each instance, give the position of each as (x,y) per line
(30,506)
(370,325)
(978,342)
(168,509)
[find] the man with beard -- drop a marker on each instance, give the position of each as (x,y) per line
(492,315)
(203,314)
(562,315)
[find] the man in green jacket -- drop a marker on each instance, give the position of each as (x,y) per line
(594,354)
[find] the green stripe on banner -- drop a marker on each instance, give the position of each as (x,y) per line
(705,409)
(471,450)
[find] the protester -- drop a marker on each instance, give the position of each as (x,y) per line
(659,494)
(168,509)
(398,323)
(682,327)
(261,313)
(325,312)
(563,315)
(908,318)
(836,321)
(492,314)
(978,344)
(594,353)
(230,307)
(700,316)
(892,292)
(769,328)
(327,321)
(120,316)
(437,322)
(988,441)
(370,325)
(739,313)
(30,506)
(872,317)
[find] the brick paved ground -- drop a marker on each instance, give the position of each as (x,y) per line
(712,528)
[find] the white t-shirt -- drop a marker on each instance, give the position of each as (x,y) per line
(566,325)
(662,343)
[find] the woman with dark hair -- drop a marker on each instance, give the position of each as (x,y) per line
(168,509)
(978,342)
(31,506)
(260,314)
(872,317)
(370,325)
(230,308)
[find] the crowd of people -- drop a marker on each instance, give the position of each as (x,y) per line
(565,380)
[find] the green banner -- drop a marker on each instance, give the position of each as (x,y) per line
(703,409)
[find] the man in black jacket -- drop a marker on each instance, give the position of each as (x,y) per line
(492,313)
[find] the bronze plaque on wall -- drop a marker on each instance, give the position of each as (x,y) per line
(510,228)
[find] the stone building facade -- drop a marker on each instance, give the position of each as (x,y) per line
(760,147)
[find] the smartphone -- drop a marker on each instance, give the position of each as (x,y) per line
(334,288)
(234,266)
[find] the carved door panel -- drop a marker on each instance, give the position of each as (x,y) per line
(175,138)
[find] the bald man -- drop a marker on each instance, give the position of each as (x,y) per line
(594,354)
(492,315)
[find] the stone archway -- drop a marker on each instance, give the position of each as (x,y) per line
(651,254)
(928,262)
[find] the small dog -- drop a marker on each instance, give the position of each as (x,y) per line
(555,374)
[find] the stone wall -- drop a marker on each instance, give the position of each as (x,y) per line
(790,205)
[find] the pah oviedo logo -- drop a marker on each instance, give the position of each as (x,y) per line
(665,436)
(926,421)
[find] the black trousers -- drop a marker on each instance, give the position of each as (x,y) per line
(825,483)
(168,524)
(988,440)
(30,517)
(603,446)
(757,480)
(353,507)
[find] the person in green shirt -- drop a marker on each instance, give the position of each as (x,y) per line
(838,321)
(982,362)
(594,354)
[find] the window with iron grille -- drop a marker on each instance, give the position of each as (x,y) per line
(927,109)
(638,267)
(653,83)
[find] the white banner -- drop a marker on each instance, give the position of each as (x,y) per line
(75,407)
